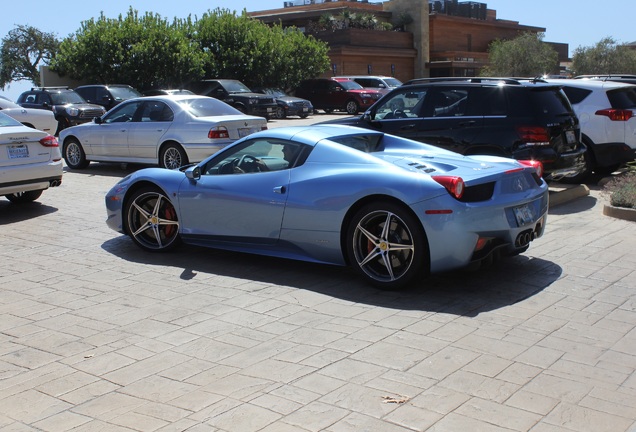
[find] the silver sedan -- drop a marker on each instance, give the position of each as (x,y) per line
(170,131)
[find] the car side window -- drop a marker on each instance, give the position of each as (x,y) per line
(156,111)
(258,155)
(402,104)
(123,113)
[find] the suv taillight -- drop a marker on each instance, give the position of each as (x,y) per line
(534,135)
(49,141)
(616,114)
(218,132)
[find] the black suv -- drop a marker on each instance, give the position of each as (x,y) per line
(521,119)
(107,95)
(69,107)
(238,95)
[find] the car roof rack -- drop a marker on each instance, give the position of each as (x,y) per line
(50,88)
(504,80)
(605,76)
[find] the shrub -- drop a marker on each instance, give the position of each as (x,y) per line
(622,189)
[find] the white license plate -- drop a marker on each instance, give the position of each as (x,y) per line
(270,109)
(523,214)
(18,151)
(305,109)
(243,132)
(570,136)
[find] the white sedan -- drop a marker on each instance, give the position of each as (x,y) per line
(170,131)
(34,118)
(30,161)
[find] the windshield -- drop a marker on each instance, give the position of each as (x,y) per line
(207,107)
(393,82)
(235,87)
(350,85)
(124,93)
(67,97)
(623,99)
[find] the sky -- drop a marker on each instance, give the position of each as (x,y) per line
(579,23)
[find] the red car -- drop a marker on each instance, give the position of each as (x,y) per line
(337,95)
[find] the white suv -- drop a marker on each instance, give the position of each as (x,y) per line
(607,114)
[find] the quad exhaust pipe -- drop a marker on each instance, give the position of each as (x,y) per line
(53,183)
(524,238)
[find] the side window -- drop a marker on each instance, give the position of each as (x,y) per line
(101,95)
(156,111)
(447,102)
(43,98)
(30,99)
(89,94)
(487,101)
(259,155)
(576,95)
(402,104)
(123,113)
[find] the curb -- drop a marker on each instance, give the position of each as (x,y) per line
(564,193)
(620,213)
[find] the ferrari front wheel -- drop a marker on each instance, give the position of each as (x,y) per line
(151,220)
(387,245)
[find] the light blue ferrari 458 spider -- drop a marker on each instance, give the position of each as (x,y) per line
(391,208)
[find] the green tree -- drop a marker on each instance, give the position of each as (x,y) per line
(604,58)
(144,52)
(23,51)
(246,49)
(524,56)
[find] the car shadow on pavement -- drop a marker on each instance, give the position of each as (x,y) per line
(11,213)
(575,206)
(108,169)
(465,293)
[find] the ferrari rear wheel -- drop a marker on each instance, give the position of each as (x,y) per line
(387,245)
(151,220)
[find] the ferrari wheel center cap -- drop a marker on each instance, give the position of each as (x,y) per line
(384,246)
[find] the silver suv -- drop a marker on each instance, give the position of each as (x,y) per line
(607,115)
(378,82)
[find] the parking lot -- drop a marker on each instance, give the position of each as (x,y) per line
(97,335)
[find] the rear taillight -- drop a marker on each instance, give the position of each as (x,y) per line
(264,127)
(453,184)
(537,165)
(218,132)
(534,135)
(49,141)
(616,114)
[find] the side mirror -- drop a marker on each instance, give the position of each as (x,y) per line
(97,120)
(193,173)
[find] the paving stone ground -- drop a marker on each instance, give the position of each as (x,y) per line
(96,335)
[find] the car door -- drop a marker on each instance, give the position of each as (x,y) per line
(451,117)
(110,137)
(400,113)
(239,207)
(150,124)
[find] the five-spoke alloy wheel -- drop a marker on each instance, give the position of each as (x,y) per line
(387,245)
(151,220)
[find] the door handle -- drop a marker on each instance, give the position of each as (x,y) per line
(280,189)
(468,123)
(407,127)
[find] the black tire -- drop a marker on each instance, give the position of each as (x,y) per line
(24,197)
(388,257)
(151,220)
(352,107)
(279,113)
(74,155)
(62,123)
(304,116)
(328,110)
(172,156)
